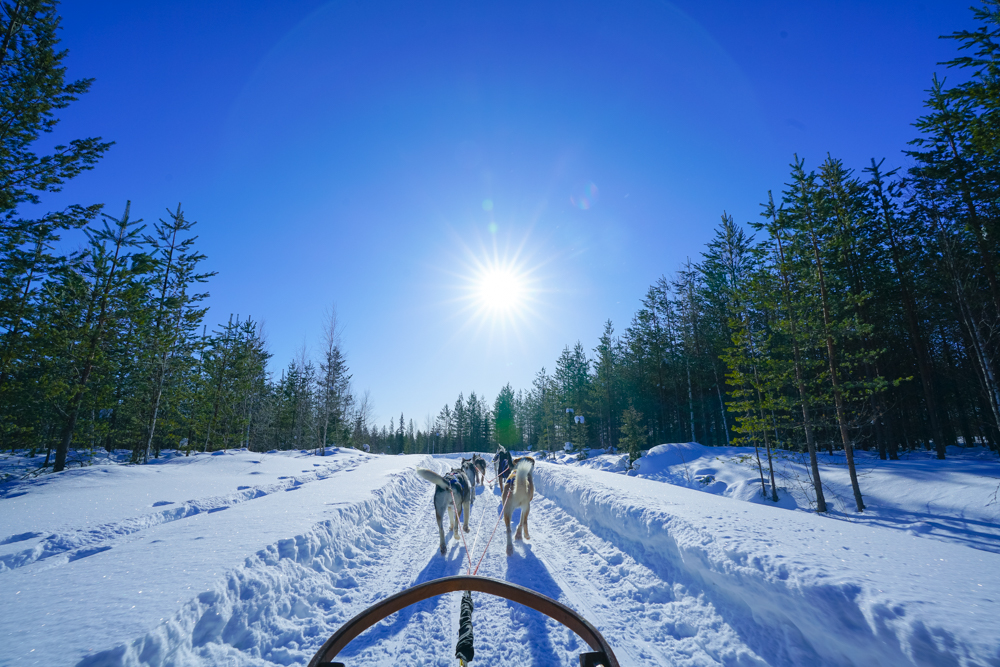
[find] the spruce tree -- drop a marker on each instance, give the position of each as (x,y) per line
(105,287)
(633,436)
(33,89)
(504,419)
(175,316)
(811,218)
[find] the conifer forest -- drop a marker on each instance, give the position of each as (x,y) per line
(861,309)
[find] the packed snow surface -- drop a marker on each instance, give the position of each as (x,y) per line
(241,558)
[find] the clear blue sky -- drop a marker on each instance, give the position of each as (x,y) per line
(377,155)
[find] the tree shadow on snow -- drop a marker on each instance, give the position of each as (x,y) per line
(436,568)
(525,569)
(973,533)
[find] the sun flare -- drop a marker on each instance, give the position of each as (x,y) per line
(500,289)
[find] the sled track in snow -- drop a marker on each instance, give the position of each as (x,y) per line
(282,603)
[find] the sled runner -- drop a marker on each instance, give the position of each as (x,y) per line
(602,655)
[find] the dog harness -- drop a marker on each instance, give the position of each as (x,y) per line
(460,482)
(504,467)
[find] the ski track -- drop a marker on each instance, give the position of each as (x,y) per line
(282,603)
(82,543)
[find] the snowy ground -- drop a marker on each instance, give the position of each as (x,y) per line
(255,559)
(955,500)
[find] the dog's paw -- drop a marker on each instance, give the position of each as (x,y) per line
(444,549)
(466,528)
(510,550)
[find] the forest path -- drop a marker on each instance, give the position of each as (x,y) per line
(304,545)
(648,621)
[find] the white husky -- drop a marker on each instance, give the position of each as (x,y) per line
(517,494)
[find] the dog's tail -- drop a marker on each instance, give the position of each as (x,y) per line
(521,472)
(433,478)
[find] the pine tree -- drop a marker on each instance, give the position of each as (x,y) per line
(726,268)
(779,233)
(895,231)
(810,217)
(606,386)
(33,88)
(175,317)
(333,395)
(504,419)
(105,288)
(633,437)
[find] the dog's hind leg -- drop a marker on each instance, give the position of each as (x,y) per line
(466,511)
(522,527)
(453,519)
(507,511)
(444,547)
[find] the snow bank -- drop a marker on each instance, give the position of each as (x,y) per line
(800,589)
(954,500)
(116,552)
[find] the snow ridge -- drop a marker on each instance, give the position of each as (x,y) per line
(283,602)
(87,542)
(790,611)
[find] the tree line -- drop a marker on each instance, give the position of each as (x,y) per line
(107,346)
(858,311)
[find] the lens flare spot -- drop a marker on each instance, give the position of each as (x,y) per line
(487,204)
(585,198)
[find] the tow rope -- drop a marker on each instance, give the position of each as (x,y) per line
(465,651)
(495,526)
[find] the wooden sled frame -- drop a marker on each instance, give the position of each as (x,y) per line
(603,655)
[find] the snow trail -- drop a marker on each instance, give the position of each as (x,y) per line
(670,576)
(648,620)
(565,561)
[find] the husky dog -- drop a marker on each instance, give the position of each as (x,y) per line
(518,490)
(502,465)
(456,485)
(480,466)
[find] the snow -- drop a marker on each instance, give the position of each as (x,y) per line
(243,558)
(954,500)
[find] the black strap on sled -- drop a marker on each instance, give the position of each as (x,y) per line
(464,649)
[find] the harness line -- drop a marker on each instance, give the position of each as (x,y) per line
(497,524)
(464,650)
(478,528)
(458,527)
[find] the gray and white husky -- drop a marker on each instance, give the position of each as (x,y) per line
(453,488)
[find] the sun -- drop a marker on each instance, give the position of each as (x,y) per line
(497,291)
(500,289)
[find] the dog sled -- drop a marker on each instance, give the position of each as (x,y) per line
(600,655)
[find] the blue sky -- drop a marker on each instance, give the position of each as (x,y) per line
(378,155)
